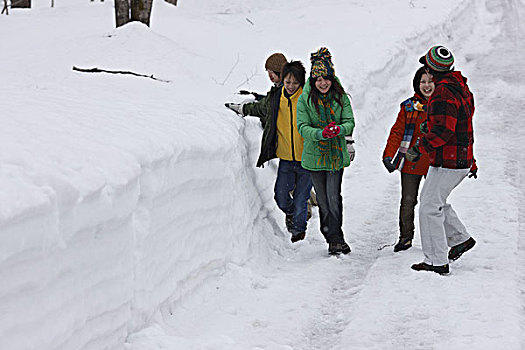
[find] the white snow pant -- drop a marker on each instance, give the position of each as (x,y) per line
(439,224)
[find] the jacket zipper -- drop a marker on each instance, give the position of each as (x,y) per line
(291,127)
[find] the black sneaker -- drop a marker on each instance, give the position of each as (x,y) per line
(338,248)
(289,222)
(403,244)
(443,269)
(457,251)
(298,237)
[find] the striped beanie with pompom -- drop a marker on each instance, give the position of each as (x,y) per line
(322,65)
(438,58)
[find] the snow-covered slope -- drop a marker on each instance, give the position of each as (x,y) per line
(131,214)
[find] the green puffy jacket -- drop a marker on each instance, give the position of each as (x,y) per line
(308,118)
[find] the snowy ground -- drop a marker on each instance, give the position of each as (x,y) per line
(131,214)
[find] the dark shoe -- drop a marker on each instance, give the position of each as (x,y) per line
(338,248)
(443,269)
(289,222)
(457,251)
(298,237)
(403,244)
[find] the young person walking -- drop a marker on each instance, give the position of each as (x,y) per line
(408,128)
(449,144)
(273,65)
(324,117)
(282,140)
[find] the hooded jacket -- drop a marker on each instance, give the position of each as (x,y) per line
(278,116)
(307,117)
(450,138)
(289,141)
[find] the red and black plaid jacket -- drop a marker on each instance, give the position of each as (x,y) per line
(450,139)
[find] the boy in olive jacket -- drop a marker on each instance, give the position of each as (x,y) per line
(282,140)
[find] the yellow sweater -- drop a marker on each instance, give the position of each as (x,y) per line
(289,141)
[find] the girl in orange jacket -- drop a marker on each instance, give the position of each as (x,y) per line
(408,128)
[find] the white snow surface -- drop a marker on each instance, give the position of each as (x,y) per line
(132,215)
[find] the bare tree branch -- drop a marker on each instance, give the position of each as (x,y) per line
(97,70)
(229,73)
(248,78)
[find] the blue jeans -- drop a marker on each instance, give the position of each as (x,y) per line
(291,176)
(328,191)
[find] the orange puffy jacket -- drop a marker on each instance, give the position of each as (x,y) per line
(396,136)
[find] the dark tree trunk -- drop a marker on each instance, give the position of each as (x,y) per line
(6,8)
(141,10)
(21,4)
(173,2)
(121,12)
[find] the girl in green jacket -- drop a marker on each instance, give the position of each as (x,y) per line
(324,118)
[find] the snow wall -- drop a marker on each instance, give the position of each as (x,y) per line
(82,272)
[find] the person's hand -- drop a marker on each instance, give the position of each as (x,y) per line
(336,130)
(328,131)
(387,162)
(473,173)
(423,127)
(351,149)
(413,154)
(236,107)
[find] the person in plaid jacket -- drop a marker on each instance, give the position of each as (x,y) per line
(448,140)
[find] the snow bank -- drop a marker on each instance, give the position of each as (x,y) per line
(94,246)
(117,198)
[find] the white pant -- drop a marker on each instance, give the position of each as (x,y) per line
(439,224)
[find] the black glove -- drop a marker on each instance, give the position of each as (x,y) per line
(387,161)
(257,96)
(473,173)
(423,127)
(236,107)
(413,154)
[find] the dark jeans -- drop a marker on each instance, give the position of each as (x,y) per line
(328,190)
(291,176)
(409,190)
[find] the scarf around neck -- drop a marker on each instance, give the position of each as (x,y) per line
(331,149)
(410,105)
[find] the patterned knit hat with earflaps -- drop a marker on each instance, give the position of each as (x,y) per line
(275,62)
(322,65)
(438,58)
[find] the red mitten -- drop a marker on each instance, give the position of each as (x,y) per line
(328,131)
(336,130)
